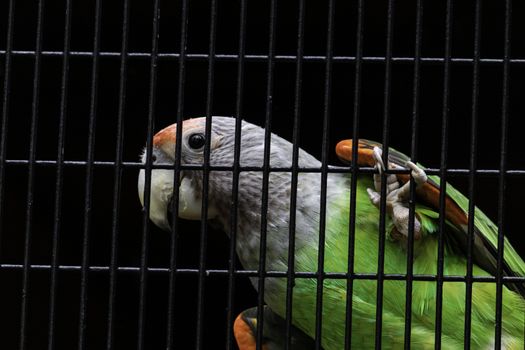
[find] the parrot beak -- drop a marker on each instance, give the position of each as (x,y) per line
(162,185)
(161,191)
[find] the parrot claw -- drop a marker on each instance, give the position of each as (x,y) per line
(419,175)
(391,179)
(397,196)
(378,156)
(374,196)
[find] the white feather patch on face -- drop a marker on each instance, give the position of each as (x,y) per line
(190,207)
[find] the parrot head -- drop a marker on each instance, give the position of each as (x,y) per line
(192,142)
(221,181)
(222,146)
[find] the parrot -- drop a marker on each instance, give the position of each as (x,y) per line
(367,238)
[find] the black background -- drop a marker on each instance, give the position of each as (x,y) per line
(13,219)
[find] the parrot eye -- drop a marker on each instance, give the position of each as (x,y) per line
(196,141)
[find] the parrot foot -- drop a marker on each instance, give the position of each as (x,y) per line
(391,179)
(397,196)
(274,332)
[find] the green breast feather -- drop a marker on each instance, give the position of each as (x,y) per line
(423,307)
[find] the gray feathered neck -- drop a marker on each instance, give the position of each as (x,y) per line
(250,195)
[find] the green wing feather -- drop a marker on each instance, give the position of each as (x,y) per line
(485,231)
(489,231)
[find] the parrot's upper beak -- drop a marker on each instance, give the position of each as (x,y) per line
(161,191)
(162,183)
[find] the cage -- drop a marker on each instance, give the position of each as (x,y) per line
(86,85)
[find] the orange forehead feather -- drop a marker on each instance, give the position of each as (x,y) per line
(166,138)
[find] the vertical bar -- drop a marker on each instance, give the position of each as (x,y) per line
(290,277)
(266,174)
(472,173)
(59,176)
(206,177)
(117,185)
(502,169)
(5,105)
(411,205)
(382,205)
(355,172)
(443,175)
(31,173)
(151,127)
(236,172)
(324,176)
(89,177)
(176,175)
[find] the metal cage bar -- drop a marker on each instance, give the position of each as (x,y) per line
(31,174)
(355,171)
(149,151)
(206,177)
(236,173)
(324,175)
(472,177)
(117,187)
(176,177)
(365,170)
(59,186)
(272,273)
(5,106)
(502,180)
(84,278)
(382,204)
(443,175)
(413,152)
(295,174)
(266,172)
(264,58)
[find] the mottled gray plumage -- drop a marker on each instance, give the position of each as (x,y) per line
(250,192)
